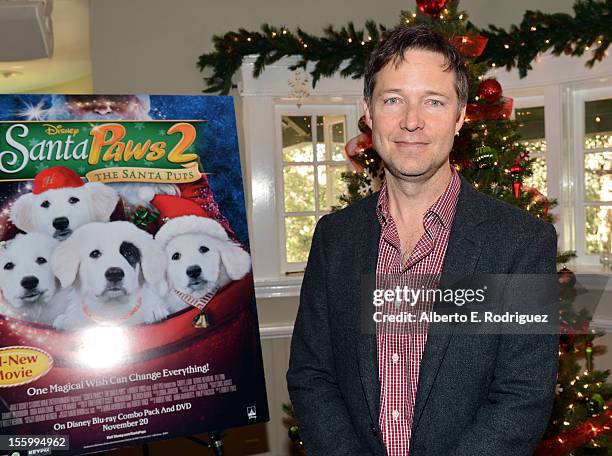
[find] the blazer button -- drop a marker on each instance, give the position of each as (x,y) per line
(374,430)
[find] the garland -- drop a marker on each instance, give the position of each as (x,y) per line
(346,50)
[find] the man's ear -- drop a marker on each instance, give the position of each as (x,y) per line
(22,215)
(367,114)
(103,199)
(460,119)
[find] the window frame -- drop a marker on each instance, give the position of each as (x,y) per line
(580,96)
(535,101)
(312,110)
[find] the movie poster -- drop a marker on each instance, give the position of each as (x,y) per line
(127,305)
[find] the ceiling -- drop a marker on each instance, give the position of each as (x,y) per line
(71,58)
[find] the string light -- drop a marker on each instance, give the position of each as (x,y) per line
(547,41)
(350,40)
(461,16)
(506,46)
(533,29)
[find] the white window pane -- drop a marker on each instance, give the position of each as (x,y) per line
(535,147)
(298,233)
(331,186)
(598,124)
(598,176)
(598,228)
(297,139)
(598,141)
(299,188)
(530,122)
(331,138)
(537,151)
(538,179)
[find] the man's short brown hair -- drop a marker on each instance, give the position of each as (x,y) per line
(393,47)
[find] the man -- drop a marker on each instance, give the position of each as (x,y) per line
(358,392)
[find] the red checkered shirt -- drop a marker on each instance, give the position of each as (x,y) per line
(400,350)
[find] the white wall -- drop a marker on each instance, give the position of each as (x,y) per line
(151,46)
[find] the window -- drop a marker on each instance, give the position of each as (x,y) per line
(531,128)
(312,163)
(597,167)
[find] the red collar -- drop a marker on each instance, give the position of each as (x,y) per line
(87,311)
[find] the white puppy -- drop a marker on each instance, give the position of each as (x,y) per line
(27,284)
(201,260)
(118,275)
(59,212)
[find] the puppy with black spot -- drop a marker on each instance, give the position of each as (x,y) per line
(118,275)
(201,260)
(60,202)
(28,287)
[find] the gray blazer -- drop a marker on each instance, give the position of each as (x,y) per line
(477,394)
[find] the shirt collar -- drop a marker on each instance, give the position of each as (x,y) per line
(443,209)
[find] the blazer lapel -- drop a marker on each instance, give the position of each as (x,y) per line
(461,259)
(367,352)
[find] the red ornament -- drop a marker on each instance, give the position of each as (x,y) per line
(431,7)
(357,146)
(498,111)
(470,45)
(490,90)
(566,277)
(517,174)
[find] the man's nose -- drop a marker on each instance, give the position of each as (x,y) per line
(411,119)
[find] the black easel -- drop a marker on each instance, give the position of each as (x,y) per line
(214,441)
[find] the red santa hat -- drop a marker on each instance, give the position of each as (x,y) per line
(183,216)
(55,178)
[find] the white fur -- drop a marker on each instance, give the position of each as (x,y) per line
(76,266)
(222,263)
(96,202)
(28,257)
(136,194)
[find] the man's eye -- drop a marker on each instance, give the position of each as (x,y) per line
(176,256)
(41,260)
(45,204)
(95,254)
(9,266)
(435,103)
(73,200)
(390,101)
